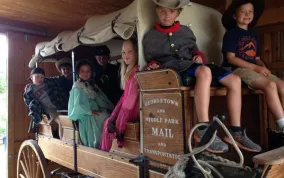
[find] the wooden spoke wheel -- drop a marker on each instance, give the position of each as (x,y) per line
(31,162)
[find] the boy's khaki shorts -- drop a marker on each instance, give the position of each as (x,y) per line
(249,76)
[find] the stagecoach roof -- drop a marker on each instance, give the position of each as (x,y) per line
(99,29)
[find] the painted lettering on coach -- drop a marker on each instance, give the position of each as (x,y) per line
(163,135)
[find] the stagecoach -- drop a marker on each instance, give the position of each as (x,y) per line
(162,138)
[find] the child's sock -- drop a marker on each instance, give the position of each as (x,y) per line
(280,123)
(236,128)
(202,127)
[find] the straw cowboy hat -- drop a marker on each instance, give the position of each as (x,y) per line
(172,4)
(62,61)
(228,20)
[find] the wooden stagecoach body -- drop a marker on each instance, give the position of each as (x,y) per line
(167,107)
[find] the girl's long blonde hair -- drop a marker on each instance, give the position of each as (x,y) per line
(125,70)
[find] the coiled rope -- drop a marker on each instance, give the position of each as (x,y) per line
(177,171)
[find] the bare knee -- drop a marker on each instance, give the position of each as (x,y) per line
(270,86)
(232,81)
(203,73)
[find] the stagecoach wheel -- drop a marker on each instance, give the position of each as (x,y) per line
(31,162)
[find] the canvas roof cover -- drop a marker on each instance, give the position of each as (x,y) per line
(97,30)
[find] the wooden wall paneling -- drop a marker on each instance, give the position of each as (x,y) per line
(282,46)
(278,43)
(270,28)
(272,15)
(266,51)
(217,4)
(274,47)
(12,98)
(272,53)
(274,4)
(278,47)
(21,48)
(49,68)
(263,121)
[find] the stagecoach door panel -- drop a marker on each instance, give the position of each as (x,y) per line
(162,126)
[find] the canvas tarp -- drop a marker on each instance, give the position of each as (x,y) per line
(96,31)
(99,29)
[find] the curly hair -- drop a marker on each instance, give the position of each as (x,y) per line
(83,63)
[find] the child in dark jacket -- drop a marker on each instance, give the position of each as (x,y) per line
(43,96)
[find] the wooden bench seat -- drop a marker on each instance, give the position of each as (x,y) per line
(272,157)
(47,129)
(67,130)
(170,80)
(132,132)
(221,91)
(272,163)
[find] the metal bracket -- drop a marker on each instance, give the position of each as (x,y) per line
(143,164)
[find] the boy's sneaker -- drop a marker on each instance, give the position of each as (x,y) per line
(218,146)
(243,141)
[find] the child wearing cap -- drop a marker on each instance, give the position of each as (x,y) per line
(241,52)
(43,96)
(172,45)
(107,74)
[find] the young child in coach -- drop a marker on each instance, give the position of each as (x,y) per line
(172,45)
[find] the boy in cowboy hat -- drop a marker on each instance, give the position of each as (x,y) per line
(64,66)
(242,54)
(173,45)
